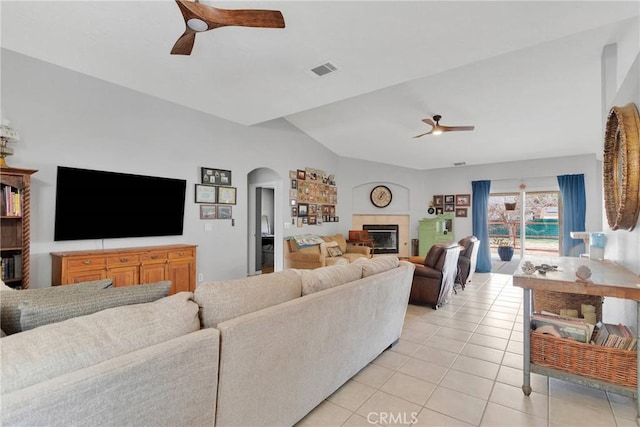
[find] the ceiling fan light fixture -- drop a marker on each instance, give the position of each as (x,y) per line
(197,25)
(436,131)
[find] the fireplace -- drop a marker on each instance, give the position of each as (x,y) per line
(385,237)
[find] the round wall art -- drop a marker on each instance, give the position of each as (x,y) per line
(621,167)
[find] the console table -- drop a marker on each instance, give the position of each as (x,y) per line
(608,279)
(128,266)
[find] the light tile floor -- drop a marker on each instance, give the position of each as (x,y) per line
(461,365)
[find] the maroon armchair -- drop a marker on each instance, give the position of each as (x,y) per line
(467,260)
(433,280)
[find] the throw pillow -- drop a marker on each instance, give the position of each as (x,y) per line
(43,312)
(34,356)
(324,247)
(10,301)
(334,251)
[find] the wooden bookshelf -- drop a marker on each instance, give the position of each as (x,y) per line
(15,226)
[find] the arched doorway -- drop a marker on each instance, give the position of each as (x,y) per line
(265,219)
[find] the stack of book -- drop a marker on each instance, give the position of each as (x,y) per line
(616,336)
(562,327)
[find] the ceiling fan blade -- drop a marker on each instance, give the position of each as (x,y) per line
(184,45)
(429,122)
(455,128)
(423,134)
(215,17)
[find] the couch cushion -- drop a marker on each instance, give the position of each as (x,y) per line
(378,264)
(45,311)
(10,300)
(323,278)
(324,246)
(58,348)
(225,299)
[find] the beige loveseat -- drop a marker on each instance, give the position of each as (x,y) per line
(320,255)
(263,350)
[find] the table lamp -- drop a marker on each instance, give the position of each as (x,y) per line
(7,134)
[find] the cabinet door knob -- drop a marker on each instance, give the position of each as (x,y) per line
(181,253)
(86,262)
(154,256)
(124,259)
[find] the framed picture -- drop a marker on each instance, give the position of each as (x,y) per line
(224,212)
(438,200)
(293,194)
(449,199)
(301,174)
(294,202)
(305,220)
(312,210)
(461,212)
(205,193)
(463,200)
(294,184)
(207,211)
(439,210)
(312,220)
(299,222)
(449,207)
(303,209)
(294,211)
(227,195)
(215,176)
(292,174)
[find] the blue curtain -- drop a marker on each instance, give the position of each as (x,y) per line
(574,207)
(480,210)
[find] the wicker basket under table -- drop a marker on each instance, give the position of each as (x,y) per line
(555,301)
(593,361)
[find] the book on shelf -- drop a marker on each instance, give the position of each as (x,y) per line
(11,201)
(562,327)
(616,336)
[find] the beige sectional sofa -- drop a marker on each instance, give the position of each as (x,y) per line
(264,350)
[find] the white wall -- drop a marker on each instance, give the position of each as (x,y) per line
(67,118)
(412,190)
(537,175)
(623,246)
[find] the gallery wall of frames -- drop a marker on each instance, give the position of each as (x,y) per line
(215,194)
(313,196)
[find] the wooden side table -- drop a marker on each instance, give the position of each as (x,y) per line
(608,279)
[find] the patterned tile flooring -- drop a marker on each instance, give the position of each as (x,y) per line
(461,365)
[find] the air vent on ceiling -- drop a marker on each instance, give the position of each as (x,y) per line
(324,69)
(459,163)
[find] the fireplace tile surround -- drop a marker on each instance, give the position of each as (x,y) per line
(402,221)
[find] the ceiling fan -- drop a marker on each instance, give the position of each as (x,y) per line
(437,128)
(199,18)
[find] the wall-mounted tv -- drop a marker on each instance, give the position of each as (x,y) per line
(92,204)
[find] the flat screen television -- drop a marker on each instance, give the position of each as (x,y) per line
(92,204)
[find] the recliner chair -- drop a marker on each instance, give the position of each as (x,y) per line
(467,259)
(433,280)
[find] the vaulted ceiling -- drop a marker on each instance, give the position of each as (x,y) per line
(526,74)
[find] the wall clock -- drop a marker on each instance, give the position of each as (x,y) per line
(621,167)
(380,196)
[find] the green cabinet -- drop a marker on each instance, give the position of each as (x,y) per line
(434,230)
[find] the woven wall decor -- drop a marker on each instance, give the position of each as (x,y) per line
(621,168)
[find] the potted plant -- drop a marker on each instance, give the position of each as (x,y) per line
(505,249)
